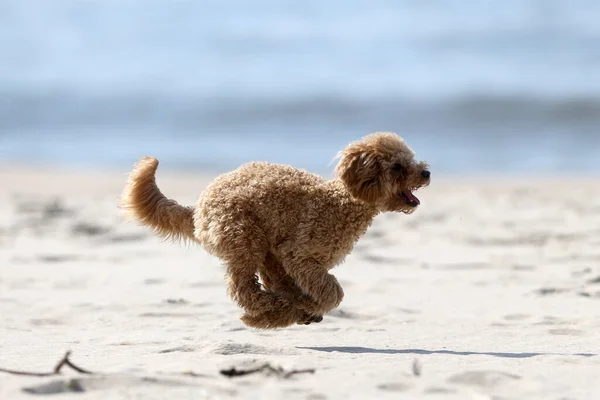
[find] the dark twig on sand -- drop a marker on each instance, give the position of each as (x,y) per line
(57,370)
(233,372)
(299,371)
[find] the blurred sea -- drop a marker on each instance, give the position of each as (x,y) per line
(474,86)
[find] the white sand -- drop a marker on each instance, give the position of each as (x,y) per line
(488,288)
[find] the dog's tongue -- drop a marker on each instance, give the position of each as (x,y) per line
(411,197)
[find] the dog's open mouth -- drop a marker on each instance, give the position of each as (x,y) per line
(410,198)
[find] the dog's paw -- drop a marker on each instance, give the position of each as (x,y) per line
(308,319)
(265,321)
(279,318)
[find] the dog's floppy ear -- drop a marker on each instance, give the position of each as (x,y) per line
(360,171)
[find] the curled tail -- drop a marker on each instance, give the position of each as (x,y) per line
(143,201)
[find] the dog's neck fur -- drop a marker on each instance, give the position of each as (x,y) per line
(362,213)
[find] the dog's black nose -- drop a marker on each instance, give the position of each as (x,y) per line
(426,174)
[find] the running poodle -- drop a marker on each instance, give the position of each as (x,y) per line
(284,225)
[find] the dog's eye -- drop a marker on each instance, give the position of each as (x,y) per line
(398,168)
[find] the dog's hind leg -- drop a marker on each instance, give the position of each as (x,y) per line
(274,278)
(247,292)
(244,248)
(265,309)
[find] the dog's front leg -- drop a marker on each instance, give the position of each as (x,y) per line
(322,290)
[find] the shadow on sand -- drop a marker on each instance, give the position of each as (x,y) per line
(368,350)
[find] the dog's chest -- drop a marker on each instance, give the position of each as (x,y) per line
(339,240)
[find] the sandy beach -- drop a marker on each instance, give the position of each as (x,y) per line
(491,290)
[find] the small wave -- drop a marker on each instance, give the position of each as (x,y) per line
(179,115)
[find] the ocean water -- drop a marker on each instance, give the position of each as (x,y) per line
(484,86)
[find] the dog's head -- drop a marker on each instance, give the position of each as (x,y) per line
(381,170)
